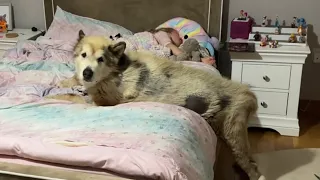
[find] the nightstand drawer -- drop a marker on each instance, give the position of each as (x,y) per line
(266,76)
(273,103)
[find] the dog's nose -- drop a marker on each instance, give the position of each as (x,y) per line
(87,74)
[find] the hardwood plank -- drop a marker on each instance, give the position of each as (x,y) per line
(266,140)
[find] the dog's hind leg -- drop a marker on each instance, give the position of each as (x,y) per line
(130,92)
(236,136)
(231,126)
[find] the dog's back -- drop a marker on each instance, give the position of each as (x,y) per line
(162,80)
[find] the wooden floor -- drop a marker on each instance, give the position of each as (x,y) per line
(265,140)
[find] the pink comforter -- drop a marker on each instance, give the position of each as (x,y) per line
(152,140)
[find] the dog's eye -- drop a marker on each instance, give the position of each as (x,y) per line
(100,59)
(84,55)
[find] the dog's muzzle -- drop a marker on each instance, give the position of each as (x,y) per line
(87,74)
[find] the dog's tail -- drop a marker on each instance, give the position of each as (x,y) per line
(251,101)
(244,103)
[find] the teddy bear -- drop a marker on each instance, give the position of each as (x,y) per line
(191,51)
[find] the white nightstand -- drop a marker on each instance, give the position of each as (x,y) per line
(24,34)
(274,75)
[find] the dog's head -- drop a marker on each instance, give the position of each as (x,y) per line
(96,58)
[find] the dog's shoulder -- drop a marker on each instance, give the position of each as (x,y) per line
(151,61)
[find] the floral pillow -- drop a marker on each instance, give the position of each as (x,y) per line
(65,26)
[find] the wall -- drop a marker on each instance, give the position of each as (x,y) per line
(27,13)
(286,9)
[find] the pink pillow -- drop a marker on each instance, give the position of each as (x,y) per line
(65,26)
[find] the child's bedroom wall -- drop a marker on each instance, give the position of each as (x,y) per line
(27,13)
(286,9)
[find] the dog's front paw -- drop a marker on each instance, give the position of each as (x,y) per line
(64,84)
(262,178)
(68,83)
(130,94)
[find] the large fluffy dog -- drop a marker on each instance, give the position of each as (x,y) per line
(111,76)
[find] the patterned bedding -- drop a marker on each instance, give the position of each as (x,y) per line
(152,140)
(144,41)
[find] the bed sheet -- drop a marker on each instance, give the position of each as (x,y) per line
(152,140)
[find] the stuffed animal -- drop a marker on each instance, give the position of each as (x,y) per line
(3,24)
(191,51)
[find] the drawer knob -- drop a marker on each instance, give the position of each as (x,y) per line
(263,104)
(266,78)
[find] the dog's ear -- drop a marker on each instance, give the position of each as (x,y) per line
(118,49)
(81,35)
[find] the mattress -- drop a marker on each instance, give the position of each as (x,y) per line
(18,168)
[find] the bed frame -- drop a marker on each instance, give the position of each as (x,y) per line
(141,15)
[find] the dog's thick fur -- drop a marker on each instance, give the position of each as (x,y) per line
(119,77)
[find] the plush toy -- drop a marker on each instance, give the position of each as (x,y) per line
(191,51)
(191,29)
(3,24)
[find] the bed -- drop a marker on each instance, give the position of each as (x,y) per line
(44,138)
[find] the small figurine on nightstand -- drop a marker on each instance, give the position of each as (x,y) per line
(243,15)
(277,23)
(302,25)
(268,38)
(264,21)
(302,39)
(294,21)
(246,15)
(292,38)
(257,36)
(302,31)
(263,41)
(302,22)
(277,30)
(273,44)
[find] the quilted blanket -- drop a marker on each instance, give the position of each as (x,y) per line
(152,140)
